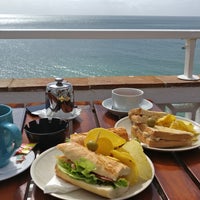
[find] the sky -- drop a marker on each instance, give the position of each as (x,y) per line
(102,7)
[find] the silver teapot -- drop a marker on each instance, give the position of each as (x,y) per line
(59,96)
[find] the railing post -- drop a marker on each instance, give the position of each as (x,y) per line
(189,59)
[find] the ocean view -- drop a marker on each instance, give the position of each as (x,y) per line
(86,58)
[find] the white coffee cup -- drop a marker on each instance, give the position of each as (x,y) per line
(125,99)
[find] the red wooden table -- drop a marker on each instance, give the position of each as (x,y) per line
(177,174)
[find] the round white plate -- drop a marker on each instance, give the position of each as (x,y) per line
(45,113)
(42,170)
(126,123)
(12,169)
(107,103)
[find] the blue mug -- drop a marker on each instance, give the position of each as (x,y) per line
(10,135)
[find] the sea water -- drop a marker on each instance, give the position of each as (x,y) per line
(86,58)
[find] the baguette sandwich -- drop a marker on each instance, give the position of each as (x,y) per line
(93,172)
(160,129)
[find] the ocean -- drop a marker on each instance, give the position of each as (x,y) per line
(88,58)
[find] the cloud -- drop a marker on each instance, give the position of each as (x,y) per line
(100,7)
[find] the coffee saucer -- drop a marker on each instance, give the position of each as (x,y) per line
(13,168)
(107,103)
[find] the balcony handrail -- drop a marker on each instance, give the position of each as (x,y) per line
(190,36)
(99,34)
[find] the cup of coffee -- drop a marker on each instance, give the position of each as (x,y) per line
(125,99)
(10,135)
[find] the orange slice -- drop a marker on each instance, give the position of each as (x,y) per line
(97,133)
(105,146)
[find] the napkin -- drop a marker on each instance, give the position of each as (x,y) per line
(48,113)
(57,185)
(43,113)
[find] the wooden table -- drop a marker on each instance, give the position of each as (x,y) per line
(177,175)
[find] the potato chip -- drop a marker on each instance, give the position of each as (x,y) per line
(166,120)
(136,151)
(183,125)
(128,160)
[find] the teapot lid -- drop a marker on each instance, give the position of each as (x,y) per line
(59,83)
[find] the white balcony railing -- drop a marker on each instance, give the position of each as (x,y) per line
(190,37)
(169,98)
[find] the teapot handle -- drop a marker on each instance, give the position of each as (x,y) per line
(15,136)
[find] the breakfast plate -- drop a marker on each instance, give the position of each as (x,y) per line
(42,171)
(126,123)
(107,103)
(13,168)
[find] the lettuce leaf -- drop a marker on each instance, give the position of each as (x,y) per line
(82,169)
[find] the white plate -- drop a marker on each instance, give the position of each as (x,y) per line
(107,103)
(42,170)
(65,116)
(126,123)
(12,169)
